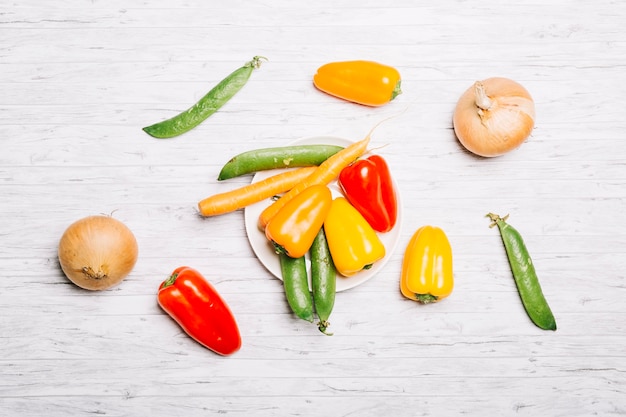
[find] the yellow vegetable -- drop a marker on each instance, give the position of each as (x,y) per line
(353,244)
(427,266)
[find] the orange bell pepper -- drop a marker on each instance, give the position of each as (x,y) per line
(427,266)
(364,82)
(293,229)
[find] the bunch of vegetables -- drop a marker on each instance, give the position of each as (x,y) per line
(339,239)
(340,234)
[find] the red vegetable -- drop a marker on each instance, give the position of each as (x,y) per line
(368,186)
(198,308)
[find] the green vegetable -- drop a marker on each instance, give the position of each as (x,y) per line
(296,284)
(323,279)
(207,105)
(279,157)
(524,274)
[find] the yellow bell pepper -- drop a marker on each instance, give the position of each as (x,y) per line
(353,244)
(427,266)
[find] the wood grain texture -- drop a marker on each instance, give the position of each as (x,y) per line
(80,79)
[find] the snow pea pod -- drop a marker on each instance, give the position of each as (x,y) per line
(276,157)
(524,274)
(207,105)
(296,285)
(323,280)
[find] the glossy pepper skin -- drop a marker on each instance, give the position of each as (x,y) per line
(293,229)
(427,266)
(368,186)
(353,244)
(364,82)
(200,311)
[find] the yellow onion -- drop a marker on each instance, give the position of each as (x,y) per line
(494,116)
(97,252)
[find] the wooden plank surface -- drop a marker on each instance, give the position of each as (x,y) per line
(78,81)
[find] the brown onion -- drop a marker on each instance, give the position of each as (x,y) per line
(494,116)
(97,252)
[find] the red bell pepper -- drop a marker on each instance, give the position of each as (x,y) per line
(197,307)
(368,186)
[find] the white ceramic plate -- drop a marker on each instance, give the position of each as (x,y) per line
(264,249)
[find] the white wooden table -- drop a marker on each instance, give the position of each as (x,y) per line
(80,78)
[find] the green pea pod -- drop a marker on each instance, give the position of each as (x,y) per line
(278,157)
(207,105)
(296,284)
(524,274)
(323,280)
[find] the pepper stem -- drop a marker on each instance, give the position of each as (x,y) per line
(280,250)
(426,298)
(170,280)
(397,90)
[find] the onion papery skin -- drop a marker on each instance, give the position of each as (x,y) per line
(97,252)
(502,127)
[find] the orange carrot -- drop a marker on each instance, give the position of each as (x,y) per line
(323,174)
(253,193)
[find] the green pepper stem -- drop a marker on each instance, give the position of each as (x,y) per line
(170,280)
(426,298)
(397,90)
(280,250)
